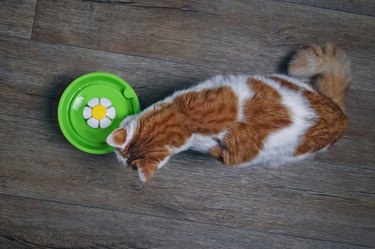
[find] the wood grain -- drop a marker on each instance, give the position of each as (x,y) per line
(363,7)
(17,17)
(85,227)
(252,36)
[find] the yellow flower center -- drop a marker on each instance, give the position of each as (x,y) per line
(99,112)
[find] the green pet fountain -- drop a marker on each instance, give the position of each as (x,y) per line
(91,107)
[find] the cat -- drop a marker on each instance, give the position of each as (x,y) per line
(242,119)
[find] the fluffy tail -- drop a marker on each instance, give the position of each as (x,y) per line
(330,65)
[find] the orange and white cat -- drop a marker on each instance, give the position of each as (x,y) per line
(243,119)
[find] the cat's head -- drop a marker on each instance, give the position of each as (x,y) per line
(138,148)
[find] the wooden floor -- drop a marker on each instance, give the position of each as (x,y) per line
(54,196)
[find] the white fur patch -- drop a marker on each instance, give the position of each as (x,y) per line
(203,143)
(141,175)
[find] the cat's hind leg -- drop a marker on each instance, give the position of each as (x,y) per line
(237,147)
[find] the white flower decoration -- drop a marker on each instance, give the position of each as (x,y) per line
(99,113)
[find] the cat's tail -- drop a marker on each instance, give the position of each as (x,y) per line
(329,66)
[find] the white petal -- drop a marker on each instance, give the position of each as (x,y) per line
(111,112)
(93,123)
(93,102)
(105,102)
(86,112)
(105,122)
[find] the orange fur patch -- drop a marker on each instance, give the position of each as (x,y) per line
(330,126)
(264,114)
(209,111)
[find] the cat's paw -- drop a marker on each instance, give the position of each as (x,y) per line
(146,170)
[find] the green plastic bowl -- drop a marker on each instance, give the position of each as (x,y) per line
(91,107)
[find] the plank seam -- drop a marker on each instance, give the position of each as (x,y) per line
(34,23)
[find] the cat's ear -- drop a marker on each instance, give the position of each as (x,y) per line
(117,138)
(146,170)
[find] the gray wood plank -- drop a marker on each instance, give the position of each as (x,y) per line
(362,7)
(17,17)
(240,36)
(72,226)
(309,199)
(49,68)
